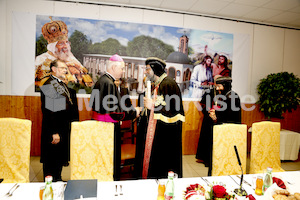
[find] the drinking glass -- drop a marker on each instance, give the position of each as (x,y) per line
(259,185)
(42,188)
(161,189)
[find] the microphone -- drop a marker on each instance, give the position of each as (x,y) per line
(240,191)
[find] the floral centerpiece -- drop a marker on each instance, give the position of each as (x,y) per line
(214,192)
(218,192)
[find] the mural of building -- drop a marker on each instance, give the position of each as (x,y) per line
(179,68)
(183,45)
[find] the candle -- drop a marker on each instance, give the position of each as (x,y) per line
(148,93)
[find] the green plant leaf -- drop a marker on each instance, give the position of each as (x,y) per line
(278,93)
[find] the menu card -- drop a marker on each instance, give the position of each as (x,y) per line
(77,188)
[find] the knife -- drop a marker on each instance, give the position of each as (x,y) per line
(205,181)
(244,181)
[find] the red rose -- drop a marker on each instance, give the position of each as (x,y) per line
(219,191)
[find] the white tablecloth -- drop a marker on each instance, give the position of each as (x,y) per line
(147,189)
(289,145)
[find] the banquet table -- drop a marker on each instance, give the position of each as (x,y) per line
(289,145)
(147,189)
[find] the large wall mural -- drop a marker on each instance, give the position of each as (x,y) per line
(193,57)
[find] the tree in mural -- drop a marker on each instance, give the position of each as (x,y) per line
(41,45)
(79,44)
(108,47)
(145,46)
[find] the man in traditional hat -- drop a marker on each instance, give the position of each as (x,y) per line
(59,108)
(59,47)
(111,109)
(159,142)
(219,105)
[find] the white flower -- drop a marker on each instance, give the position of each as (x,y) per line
(207,195)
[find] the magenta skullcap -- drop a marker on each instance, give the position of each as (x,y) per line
(117,58)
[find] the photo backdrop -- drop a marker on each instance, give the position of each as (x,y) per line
(133,41)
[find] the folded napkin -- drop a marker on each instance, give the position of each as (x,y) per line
(250,197)
(279,182)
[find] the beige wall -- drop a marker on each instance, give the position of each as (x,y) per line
(270,49)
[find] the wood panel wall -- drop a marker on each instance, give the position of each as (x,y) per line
(29,107)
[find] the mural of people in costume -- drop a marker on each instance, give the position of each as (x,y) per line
(59,47)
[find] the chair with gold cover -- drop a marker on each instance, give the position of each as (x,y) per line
(15,137)
(225,137)
(265,147)
(92,150)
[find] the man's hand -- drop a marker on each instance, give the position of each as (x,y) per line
(212,114)
(138,111)
(56,138)
(148,103)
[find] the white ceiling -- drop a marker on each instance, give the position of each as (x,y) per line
(285,13)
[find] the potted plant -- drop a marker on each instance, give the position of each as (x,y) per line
(278,93)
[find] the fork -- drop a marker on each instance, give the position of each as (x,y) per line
(10,192)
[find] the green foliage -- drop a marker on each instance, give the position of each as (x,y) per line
(108,47)
(145,46)
(191,51)
(278,93)
(40,45)
(79,44)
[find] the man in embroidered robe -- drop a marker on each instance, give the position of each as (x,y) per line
(59,47)
(109,107)
(159,142)
(59,108)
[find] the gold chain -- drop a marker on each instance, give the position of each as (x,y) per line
(67,93)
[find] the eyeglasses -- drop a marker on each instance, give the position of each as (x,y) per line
(63,68)
(61,43)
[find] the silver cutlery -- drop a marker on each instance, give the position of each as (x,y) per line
(290,183)
(11,191)
(116,194)
(234,180)
(244,181)
(205,181)
(121,193)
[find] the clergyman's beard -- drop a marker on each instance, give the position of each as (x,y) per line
(64,56)
(150,77)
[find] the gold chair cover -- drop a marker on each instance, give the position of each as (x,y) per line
(224,157)
(265,147)
(15,137)
(92,149)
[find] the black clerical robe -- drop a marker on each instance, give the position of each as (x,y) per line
(229,115)
(60,109)
(107,101)
(166,153)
